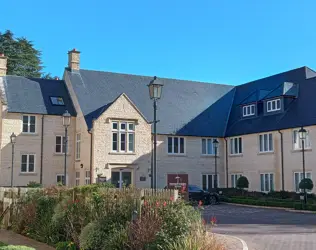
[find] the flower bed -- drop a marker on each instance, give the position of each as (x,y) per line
(98,218)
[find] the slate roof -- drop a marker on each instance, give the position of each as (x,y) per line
(186,107)
(299,83)
(202,109)
(32,95)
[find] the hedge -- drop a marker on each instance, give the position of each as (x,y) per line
(230,192)
(285,204)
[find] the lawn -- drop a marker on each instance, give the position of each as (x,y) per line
(4,246)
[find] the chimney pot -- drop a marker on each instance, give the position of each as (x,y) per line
(56,78)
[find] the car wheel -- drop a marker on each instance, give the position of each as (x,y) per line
(213,200)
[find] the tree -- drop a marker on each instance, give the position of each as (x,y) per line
(306,183)
(23,58)
(242,182)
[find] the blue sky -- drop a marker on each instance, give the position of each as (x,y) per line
(228,42)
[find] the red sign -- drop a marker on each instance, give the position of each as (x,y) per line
(178,181)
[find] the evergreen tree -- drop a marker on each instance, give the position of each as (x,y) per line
(23,58)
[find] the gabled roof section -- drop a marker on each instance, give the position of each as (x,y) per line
(309,73)
(284,89)
(98,112)
(181,103)
(32,95)
(292,83)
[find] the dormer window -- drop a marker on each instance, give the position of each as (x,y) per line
(273,105)
(248,110)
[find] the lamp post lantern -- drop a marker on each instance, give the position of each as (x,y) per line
(302,134)
(13,141)
(215,143)
(155,89)
(66,124)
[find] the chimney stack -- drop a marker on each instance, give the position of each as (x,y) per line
(73,60)
(3,64)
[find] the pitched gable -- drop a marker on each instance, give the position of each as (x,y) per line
(181,102)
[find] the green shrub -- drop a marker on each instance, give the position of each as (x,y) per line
(178,219)
(103,235)
(311,207)
(34,184)
(242,182)
(66,245)
(306,183)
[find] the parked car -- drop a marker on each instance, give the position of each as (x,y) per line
(197,194)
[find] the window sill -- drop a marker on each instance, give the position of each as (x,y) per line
(266,153)
(210,156)
(60,154)
(122,153)
(177,155)
(300,150)
(28,174)
(236,155)
(29,134)
(77,160)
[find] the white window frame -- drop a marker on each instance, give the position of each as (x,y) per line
(78,146)
(29,124)
(213,181)
(233,179)
(232,146)
(87,180)
(207,146)
(297,142)
(77,175)
(62,145)
(28,164)
(261,143)
(127,131)
(300,173)
(275,101)
(62,179)
(247,108)
(269,189)
(172,145)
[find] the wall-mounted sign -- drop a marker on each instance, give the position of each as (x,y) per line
(178,181)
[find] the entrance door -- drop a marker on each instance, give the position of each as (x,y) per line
(121,177)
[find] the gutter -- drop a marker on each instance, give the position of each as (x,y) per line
(42,151)
(282,161)
(226,158)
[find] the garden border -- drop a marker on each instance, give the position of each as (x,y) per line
(278,208)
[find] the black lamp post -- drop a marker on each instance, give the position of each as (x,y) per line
(302,134)
(215,143)
(13,141)
(66,124)
(155,89)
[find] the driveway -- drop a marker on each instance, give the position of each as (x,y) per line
(263,228)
